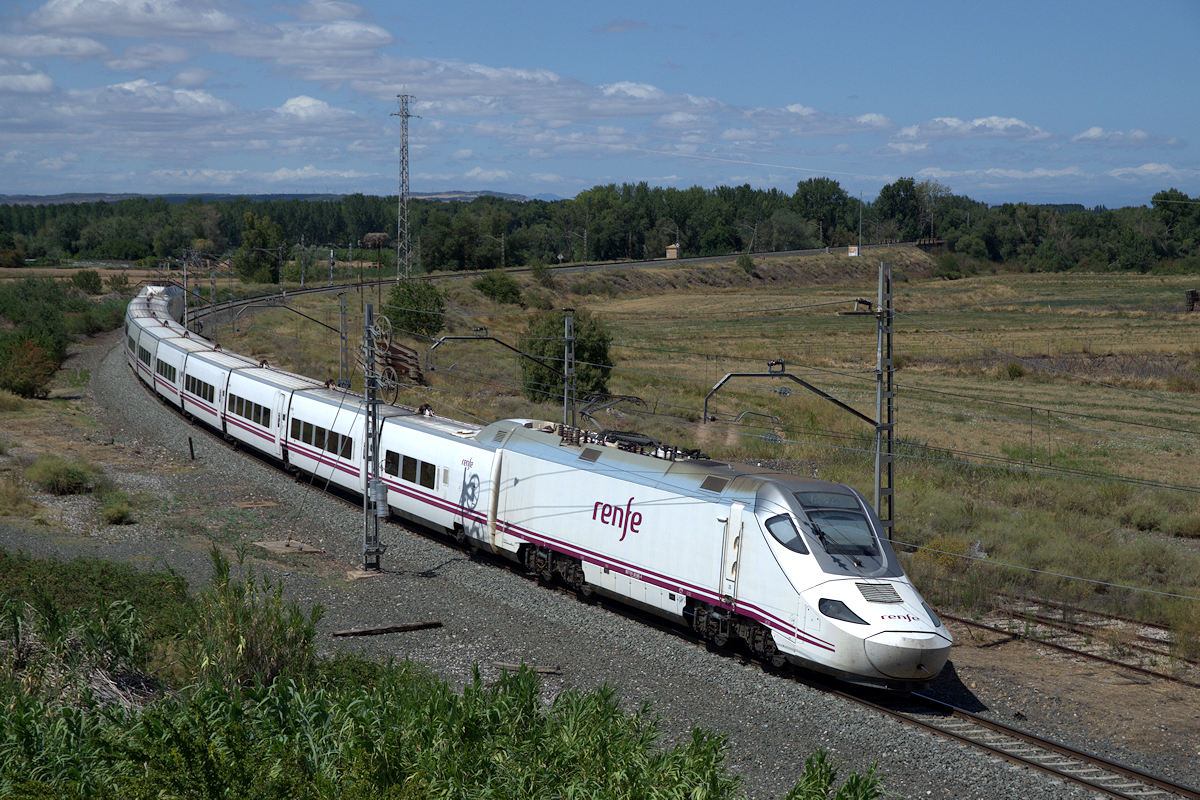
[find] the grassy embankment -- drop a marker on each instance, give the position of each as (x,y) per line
(1036,412)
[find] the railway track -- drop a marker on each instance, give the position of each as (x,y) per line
(1137,646)
(1017,746)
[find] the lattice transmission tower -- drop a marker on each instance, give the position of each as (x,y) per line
(403,250)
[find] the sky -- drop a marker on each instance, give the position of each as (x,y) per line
(1054,101)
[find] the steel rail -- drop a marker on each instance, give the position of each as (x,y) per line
(1072,651)
(1089,770)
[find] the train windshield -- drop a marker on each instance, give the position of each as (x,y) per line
(839,523)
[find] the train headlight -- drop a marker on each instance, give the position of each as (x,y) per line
(937,623)
(839,610)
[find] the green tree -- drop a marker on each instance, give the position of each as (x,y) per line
(900,204)
(417,307)
(258,259)
(543,339)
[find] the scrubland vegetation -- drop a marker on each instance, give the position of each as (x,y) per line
(120,684)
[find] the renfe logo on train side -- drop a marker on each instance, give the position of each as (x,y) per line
(618,517)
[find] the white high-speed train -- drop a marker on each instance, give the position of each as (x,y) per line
(794,568)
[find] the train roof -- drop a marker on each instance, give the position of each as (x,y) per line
(701,478)
(277,378)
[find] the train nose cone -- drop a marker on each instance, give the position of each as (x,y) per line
(908,656)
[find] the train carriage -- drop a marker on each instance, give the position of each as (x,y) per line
(169,362)
(325,430)
(206,376)
(435,471)
(256,406)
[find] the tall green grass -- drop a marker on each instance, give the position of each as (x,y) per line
(240,725)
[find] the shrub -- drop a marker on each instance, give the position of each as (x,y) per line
(87,280)
(499,286)
(117,282)
(14,498)
(57,475)
(26,368)
(10,401)
(417,307)
(541,275)
(746,263)
(539,299)
(244,633)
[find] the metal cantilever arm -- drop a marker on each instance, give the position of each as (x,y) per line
(790,376)
(429,353)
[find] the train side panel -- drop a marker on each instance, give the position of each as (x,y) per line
(205,378)
(325,430)
(435,475)
(650,545)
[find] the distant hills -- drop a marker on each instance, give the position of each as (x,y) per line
(106,197)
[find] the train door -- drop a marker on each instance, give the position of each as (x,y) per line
(731,554)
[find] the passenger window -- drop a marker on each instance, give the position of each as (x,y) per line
(347,447)
(307,438)
(319,438)
(409,471)
(295,428)
(266,417)
(428,475)
(391,462)
(784,531)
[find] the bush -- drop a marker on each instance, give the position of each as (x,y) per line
(541,275)
(57,475)
(417,307)
(10,401)
(26,368)
(746,263)
(117,282)
(499,286)
(244,633)
(88,280)
(14,498)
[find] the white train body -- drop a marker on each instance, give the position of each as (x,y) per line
(795,568)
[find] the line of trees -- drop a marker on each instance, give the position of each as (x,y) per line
(604,223)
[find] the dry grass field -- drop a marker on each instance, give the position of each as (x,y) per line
(1048,421)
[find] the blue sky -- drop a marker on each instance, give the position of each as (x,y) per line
(1050,101)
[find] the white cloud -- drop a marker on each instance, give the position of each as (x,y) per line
(955,128)
(310,173)
(308,108)
(1154,170)
(908,148)
(135,18)
(683,119)
(873,120)
(1134,137)
(300,42)
(461,155)
(146,56)
(637,91)
(19,77)
(1037,173)
(146,99)
(738,134)
(327,10)
(192,77)
(199,177)
(57,163)
(42,46)
(547,177)
(802,110)
(482,174)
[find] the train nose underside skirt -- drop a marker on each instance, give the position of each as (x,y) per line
(907,655)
